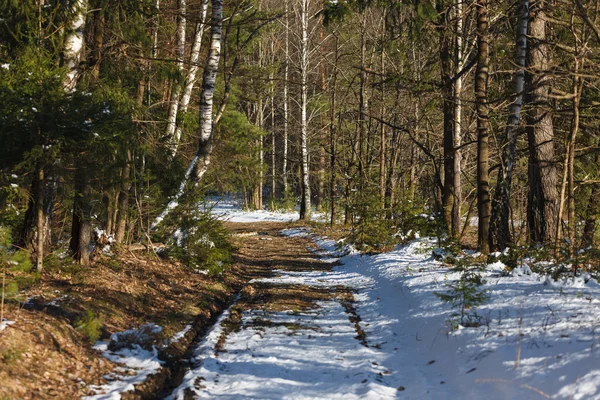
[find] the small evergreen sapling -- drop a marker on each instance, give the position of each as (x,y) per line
(465,295)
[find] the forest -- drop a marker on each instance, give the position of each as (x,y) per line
(373,112)
(475,122)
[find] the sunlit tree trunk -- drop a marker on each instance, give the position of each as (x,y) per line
(201,161)
(543,178)
(457,134)
(481,95)
(172,140)
(449,194)
(305,204)
(190,80)
(500,234)
(73,46)
(286,99)
(81,229)
(208,90)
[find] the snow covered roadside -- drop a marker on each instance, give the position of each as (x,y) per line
(137,363)
(551,328)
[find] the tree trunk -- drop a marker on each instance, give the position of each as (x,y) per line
(99,27)
(457,134)
(305,206)
(449,194)
(81,228)
(172,140)
(123,200)
(40,224)
(543,178)
(382,135)
(481,94)
(41,200)
(190,80)
(591,212)
(332,139)
(260,117)
(500,234)
(73,45)
(286,99)
(208,89)
(201,160)
(273,141)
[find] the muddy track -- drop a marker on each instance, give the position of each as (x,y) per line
(262,252)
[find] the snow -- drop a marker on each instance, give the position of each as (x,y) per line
(138,364)
(180,335)
(538,338)
(5,324)
(228,209)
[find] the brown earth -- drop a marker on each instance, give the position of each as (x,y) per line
(44,356)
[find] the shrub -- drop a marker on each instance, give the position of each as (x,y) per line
(200,240)
(465,295)
(90,326)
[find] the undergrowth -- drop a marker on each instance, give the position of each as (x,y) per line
(196,237)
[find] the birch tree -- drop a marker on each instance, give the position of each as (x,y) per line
(500,233)
(172,140)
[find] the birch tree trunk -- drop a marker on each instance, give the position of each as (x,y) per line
(500,234)
(543,178)
(190,80)
(209,79)
(305,206)
(172,140)
(201,161)
(273,141)
(73,45)
(481,89)
(286,71)
(457,134)
(81,229)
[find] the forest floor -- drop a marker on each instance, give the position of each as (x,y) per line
(299,317)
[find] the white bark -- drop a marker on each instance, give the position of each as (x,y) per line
(514,117)
(190,80)
(172,141)
(458,88)
(201,160)
(208,89)
(305,206)
(285,98)
(73,46)
(273,142)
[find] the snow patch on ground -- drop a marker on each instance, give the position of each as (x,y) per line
(5,324)
(137,365)
(229,209)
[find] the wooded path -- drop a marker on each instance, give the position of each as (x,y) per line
(293,333)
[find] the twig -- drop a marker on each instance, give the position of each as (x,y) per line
(524,386)
(3,292)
